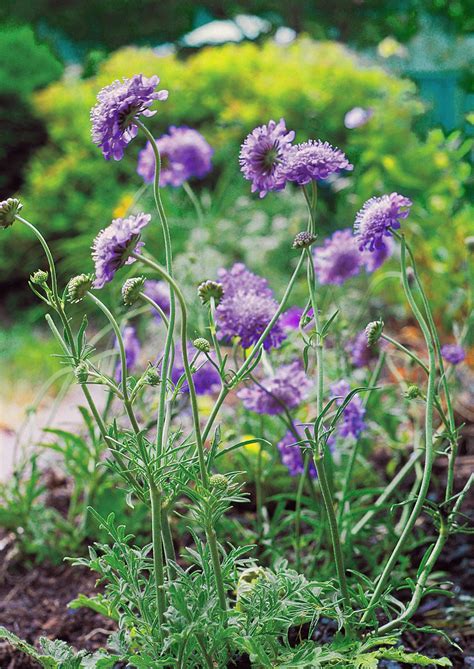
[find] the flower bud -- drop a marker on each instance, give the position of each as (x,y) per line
(413,392)
(152,377)
(40,277)
(219,482)
(303,240)
(373,332)
(81,372)
(8,210)
(210,289)
(78,287)
(202,345)
(131,290)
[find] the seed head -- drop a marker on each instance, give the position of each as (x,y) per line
(131,290)
(373,332)
(8,210)
(81,372)
(202,345)
(78,287)
(219,482)
(413,392)
(40,277)
(210,289)
(152,378)
(303,240)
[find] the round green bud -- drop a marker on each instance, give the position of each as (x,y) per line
(413,392)
(303,240)
(219,482)
(373,332)
(40,277)
(152,378)
(202,345)
(210,289)
(8,210)
(131,290)
(78,287)
(81,372)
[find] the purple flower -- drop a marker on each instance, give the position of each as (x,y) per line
(159,292)
(290,319)
(353,415)
(184,154)
(246,308)
(290,453)
(313,160)
(338,260)
(287,388)
(118,105)
(206,378)
(262,155)
(378,215)
(132,350)
(112,247)
(453,353)
(360,353)
(376,258)
(357,117)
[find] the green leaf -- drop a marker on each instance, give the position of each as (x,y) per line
(97,603)
(414,658)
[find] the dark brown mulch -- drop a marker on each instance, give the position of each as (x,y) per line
(33,603)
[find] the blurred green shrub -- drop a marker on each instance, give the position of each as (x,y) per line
(71,192)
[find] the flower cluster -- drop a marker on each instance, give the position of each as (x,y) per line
(453,353)
(378,217)
(118,106)
(291,456)
(114,245)
(184,154)
(246,308)
(285,390)
(353,415)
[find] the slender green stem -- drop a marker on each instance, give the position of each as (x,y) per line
(49,256)
(157,307)
(158,571)
(195,202)
(168,544)
(298,506)
(429,448)
(407,352)
(212,330)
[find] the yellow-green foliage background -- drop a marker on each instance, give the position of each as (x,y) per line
(71,191)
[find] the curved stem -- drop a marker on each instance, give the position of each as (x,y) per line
(429,450)
(195,202)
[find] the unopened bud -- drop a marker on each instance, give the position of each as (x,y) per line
(373,332)
(40,277)
(413,392)
(210,289)
(81,372)
(131,290)
(202,345)
(8,210)
(152,378)
(303,240)
(219,482)
(78,287)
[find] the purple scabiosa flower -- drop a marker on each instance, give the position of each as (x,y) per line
(338,260)
(361,354)
(206,378)
(453,353)
(287,388)
(118,105)
(353,416)
(372,260)
(378,215)
(246,308)
(132,350)
(357,117)
(314,160)
(159,292)
(262,155)
(290,453)
(290,319)
(113,246)
(184,154)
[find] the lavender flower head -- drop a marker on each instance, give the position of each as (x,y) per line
(353,415)
(361,354)
(378,215)
(290,319)
(113,246)
(132,350)
(357,117)
(184,154)
(314,160)
(262,156)
(338,260)
(291,457)
(453,353)
(286,389)
(159,292)
(206,377)
(246,308)
(118,105)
